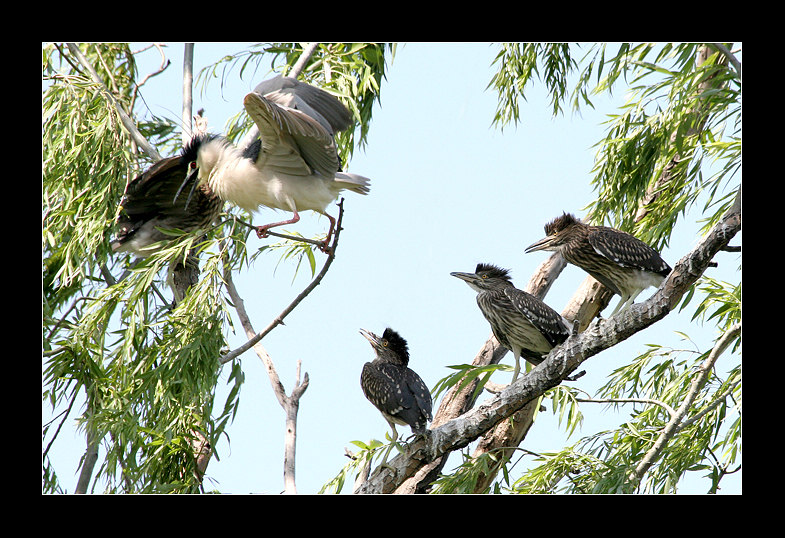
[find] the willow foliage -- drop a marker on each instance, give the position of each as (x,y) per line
(137,371)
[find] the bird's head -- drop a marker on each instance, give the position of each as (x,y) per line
(485,277)
(391,346)
(200,156)
(557,233)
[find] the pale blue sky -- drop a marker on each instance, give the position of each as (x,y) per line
(448,190)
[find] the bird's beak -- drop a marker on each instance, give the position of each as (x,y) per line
(542,244)
(372,338)
(468,277)
(193,177)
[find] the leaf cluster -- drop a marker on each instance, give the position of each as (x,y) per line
(144,370)
(603,461)
(679,116)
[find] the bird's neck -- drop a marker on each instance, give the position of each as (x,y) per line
(235,178)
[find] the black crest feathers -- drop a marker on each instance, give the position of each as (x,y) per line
(560,223)
(397,343)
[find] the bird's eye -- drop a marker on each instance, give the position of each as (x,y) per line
(483,276)
(192,165)
(384,343)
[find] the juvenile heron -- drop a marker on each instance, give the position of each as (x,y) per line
(621,262)
(293,165)
(520,321)
(149,204)
(392,387)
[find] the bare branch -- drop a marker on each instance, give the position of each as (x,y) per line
(188,79)
(286,311)
(290,404)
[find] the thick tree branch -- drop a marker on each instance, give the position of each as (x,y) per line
(564,359)
(591,297)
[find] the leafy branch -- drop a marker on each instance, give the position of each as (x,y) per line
(564,359)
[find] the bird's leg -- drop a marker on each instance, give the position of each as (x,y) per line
(261,231)
(326,245)
(517,368)
(393,443)
(624,303)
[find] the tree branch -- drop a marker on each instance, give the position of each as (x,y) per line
(560,362)
(290,404)
(590,298)
(670,429)
(286,311)
(671,411)
(128,123)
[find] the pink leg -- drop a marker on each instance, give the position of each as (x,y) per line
(261,231)
(330,233)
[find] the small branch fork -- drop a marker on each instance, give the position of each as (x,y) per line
(286,311)
(291,403)
(314,242)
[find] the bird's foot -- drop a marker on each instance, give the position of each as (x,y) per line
(326,248)
(262,232)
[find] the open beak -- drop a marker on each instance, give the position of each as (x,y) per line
(372,338)
(192,177)
(542,244)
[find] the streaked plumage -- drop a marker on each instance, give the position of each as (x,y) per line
(392,387)
(521,322)
(621,262)
(293,165)
(149,204)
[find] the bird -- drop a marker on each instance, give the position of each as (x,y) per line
(620,261)
(392,387)
(149,205)
(293,165)
(521,322)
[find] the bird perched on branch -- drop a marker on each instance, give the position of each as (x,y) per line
(293,165)
(149,205)
(392,387)
(621,262)
(521,322)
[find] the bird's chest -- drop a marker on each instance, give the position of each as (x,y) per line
(250,187)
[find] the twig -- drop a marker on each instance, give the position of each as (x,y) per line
(671,411)
(282,236)
(286,311)
(717,401)
(698,381)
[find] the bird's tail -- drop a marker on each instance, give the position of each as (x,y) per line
(353,182)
